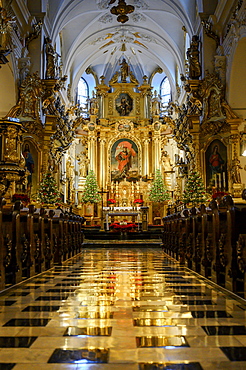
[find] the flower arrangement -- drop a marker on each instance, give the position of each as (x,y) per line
(111,201)
(24,198)
(123,226)
(138,201)
(219,195)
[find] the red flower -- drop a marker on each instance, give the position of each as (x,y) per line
(138,201)
(111,201)
(23,197)
(219,194)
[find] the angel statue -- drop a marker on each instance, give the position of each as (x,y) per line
(6,26)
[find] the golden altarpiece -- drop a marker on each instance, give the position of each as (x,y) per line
(125,138)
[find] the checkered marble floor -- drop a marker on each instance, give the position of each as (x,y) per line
(121,309)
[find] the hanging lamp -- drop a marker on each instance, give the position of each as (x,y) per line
(121,10)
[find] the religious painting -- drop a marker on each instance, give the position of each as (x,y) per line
(157,126)
(91,126)
(124,161)
(124,127)
(31,164)
(216,166)
(123,104)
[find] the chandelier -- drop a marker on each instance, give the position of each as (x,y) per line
(121,10)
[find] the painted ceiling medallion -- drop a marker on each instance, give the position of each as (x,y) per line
(121,10)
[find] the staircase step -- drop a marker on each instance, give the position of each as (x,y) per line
(122,243)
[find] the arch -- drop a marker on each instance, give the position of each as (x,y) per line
(7,95)
(237,83)
(83,93)
(165,91)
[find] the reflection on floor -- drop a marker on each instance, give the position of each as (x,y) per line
(121,309)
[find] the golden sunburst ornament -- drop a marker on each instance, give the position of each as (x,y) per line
(121,10)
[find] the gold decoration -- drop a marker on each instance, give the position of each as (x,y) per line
(31,90)
(193,58)
(114,79)
(11,154)
(51,60)
(34,35)
(6,27)
(121,10)
(216,111)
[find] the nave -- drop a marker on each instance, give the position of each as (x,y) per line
(121,309)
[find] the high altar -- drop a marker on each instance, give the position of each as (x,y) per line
(124,143)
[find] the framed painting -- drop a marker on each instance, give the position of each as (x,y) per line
(31,163)
(124,160)
(216,165)
(124,104)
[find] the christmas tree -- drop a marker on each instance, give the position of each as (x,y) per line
(194,191)
(90,194)
(158,191)
(48,191)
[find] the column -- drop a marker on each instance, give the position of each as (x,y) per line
(146,157)
(156,159)
(92,149)
(102,169)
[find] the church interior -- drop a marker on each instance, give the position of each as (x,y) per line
(122,184)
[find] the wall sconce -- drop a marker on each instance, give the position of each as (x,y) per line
(122,9)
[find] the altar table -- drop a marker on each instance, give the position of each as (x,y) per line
(122,213)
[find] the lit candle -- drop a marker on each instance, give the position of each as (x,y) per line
(215,181)
(219,182)
(224,180)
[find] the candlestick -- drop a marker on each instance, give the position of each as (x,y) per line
(224,180)
(219,181)
(215,181)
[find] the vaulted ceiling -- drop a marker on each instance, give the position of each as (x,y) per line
(153,37)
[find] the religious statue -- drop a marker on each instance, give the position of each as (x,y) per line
(33,35)
(235,171)
(227,110)
(194,105)
(193,58)
(155,108)
(93,104)
(51,56)
(133,78)
(114,79)
(166,161)
(124,70)
(6,25)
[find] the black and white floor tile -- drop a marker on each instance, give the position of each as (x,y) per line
(121,309)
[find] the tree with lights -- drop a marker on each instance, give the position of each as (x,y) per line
(91,191)
(194,191)
(158,192)
(48,191)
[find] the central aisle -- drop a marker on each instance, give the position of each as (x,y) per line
(121,309)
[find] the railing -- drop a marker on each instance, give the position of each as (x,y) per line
(33,241)
(211,241)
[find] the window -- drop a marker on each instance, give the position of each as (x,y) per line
(83,95)
(165,92)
